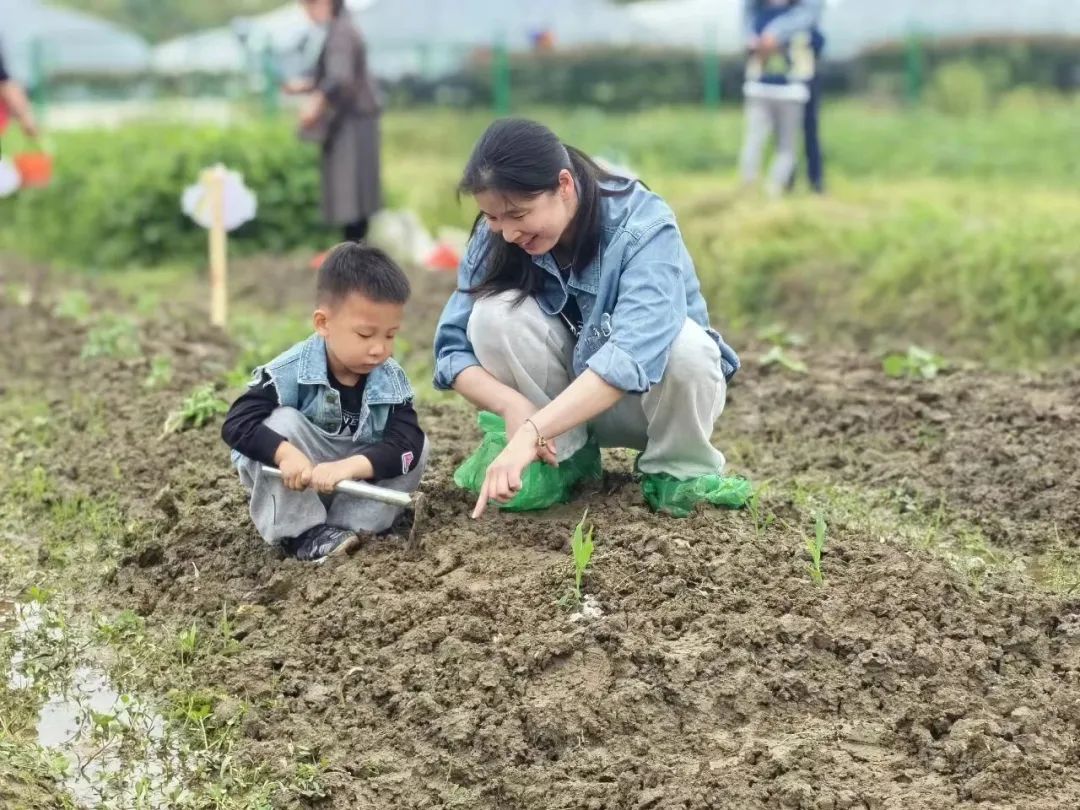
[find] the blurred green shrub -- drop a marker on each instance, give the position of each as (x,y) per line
(115,197)
(960,88)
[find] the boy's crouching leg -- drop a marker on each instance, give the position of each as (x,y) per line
(373,517)
(280,513)
(295,428)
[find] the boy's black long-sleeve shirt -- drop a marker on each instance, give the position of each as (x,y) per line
(395,454)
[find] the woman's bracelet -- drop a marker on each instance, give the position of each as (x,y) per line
(540,440)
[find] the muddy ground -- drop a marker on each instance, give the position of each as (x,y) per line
(938,666)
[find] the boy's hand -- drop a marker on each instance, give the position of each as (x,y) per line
(326,476)
(296,468)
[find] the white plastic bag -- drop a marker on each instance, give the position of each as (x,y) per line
(9,178)
(240,202)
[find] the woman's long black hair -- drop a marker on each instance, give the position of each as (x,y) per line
(524,158)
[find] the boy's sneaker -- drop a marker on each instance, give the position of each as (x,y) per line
(325,541)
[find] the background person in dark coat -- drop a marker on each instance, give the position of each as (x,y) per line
(342,114)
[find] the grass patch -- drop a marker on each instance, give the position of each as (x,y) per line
(957,227)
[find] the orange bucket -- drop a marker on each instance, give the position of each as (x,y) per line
(35,169)
(443,258)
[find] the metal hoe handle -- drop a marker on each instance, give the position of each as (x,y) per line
(358,489)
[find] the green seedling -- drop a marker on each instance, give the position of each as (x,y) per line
(104,723)
(20,294)
(777,335)
(814,546)
(582,547)
(38,595)
(113,337)
(917,364)
(187,642)
(128,626)
(238,376)
(225,629)
(198,409)
(759,514)
(776,356)
(161,372)
(307,779)
(147,303)
(74,305)
(781,340)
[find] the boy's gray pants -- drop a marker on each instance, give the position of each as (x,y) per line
(765,116)
(280,513)
(671,424)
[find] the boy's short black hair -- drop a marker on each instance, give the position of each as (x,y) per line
(354,268)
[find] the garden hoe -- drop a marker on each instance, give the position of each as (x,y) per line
(359,489)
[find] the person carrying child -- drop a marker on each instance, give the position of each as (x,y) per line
(579,320)
(777,90)
(334,407)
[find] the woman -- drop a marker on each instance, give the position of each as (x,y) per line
(578,310)
(777,90)
(803,16)
(342,115)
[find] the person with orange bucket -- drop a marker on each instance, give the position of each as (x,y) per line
(13,100)
(34,167)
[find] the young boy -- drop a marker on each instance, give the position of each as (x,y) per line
(334,407)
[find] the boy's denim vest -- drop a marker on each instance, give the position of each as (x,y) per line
(302,382)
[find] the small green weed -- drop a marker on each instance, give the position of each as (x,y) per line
(917,364)
(307,777)
(161,372)
(187,642)
(19,294)
(34,489)
(814,546)
(197,410)
(128,626)
(581,545)
(225,630)
(778,335)
(115,337)
(75,304)
(38,595)
(778,355)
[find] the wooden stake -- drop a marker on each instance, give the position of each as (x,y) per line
(214,182)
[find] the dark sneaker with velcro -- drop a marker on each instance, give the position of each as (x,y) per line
(291,545)
(326,541)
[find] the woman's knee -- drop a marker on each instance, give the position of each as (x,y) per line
(694,360)
(498,321)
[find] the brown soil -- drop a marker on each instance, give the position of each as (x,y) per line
(719,676)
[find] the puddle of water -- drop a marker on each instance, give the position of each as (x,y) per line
(22,621)
(95,727)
